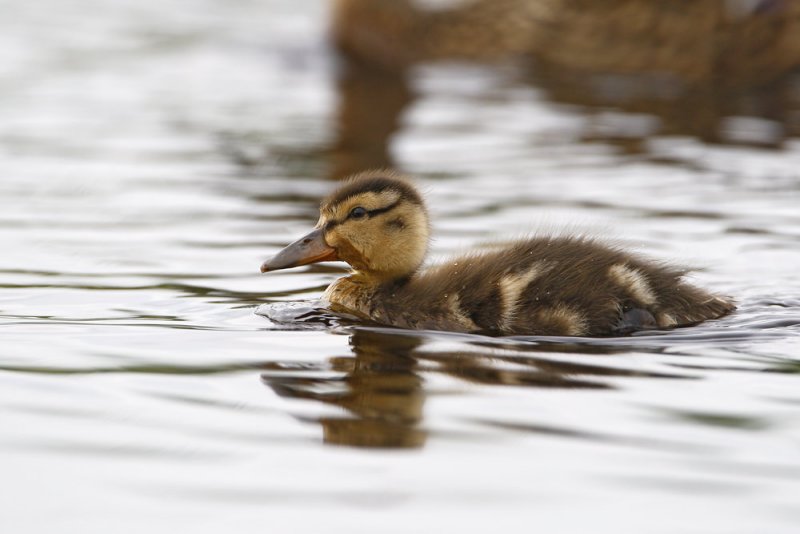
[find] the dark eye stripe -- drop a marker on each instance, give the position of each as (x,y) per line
(378,211)
(330,225)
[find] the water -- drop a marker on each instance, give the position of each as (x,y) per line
(153,154)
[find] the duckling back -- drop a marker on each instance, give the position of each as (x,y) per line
(546,286)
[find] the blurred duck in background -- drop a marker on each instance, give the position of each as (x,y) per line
(690,63)
(734,42)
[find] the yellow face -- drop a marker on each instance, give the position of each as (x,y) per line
(379,233)
(376,222)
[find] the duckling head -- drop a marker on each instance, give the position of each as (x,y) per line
(376,221)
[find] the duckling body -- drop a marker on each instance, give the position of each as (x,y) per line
(543,286)
(566,286)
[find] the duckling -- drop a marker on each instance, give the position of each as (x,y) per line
(377,222)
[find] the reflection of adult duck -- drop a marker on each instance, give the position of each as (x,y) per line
(743,42)
(377,222)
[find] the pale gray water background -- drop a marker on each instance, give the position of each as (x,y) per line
(131,358)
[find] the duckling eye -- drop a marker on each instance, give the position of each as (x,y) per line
(358,213)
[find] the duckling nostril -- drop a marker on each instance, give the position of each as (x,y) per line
(306,241)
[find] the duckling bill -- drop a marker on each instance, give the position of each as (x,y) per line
(559,286)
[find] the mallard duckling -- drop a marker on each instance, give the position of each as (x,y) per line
(562,286)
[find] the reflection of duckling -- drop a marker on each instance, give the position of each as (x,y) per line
(380,390)
(377,223)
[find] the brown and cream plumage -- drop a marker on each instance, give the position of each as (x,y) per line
(573,286)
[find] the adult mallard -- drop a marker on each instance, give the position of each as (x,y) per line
(558,285)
